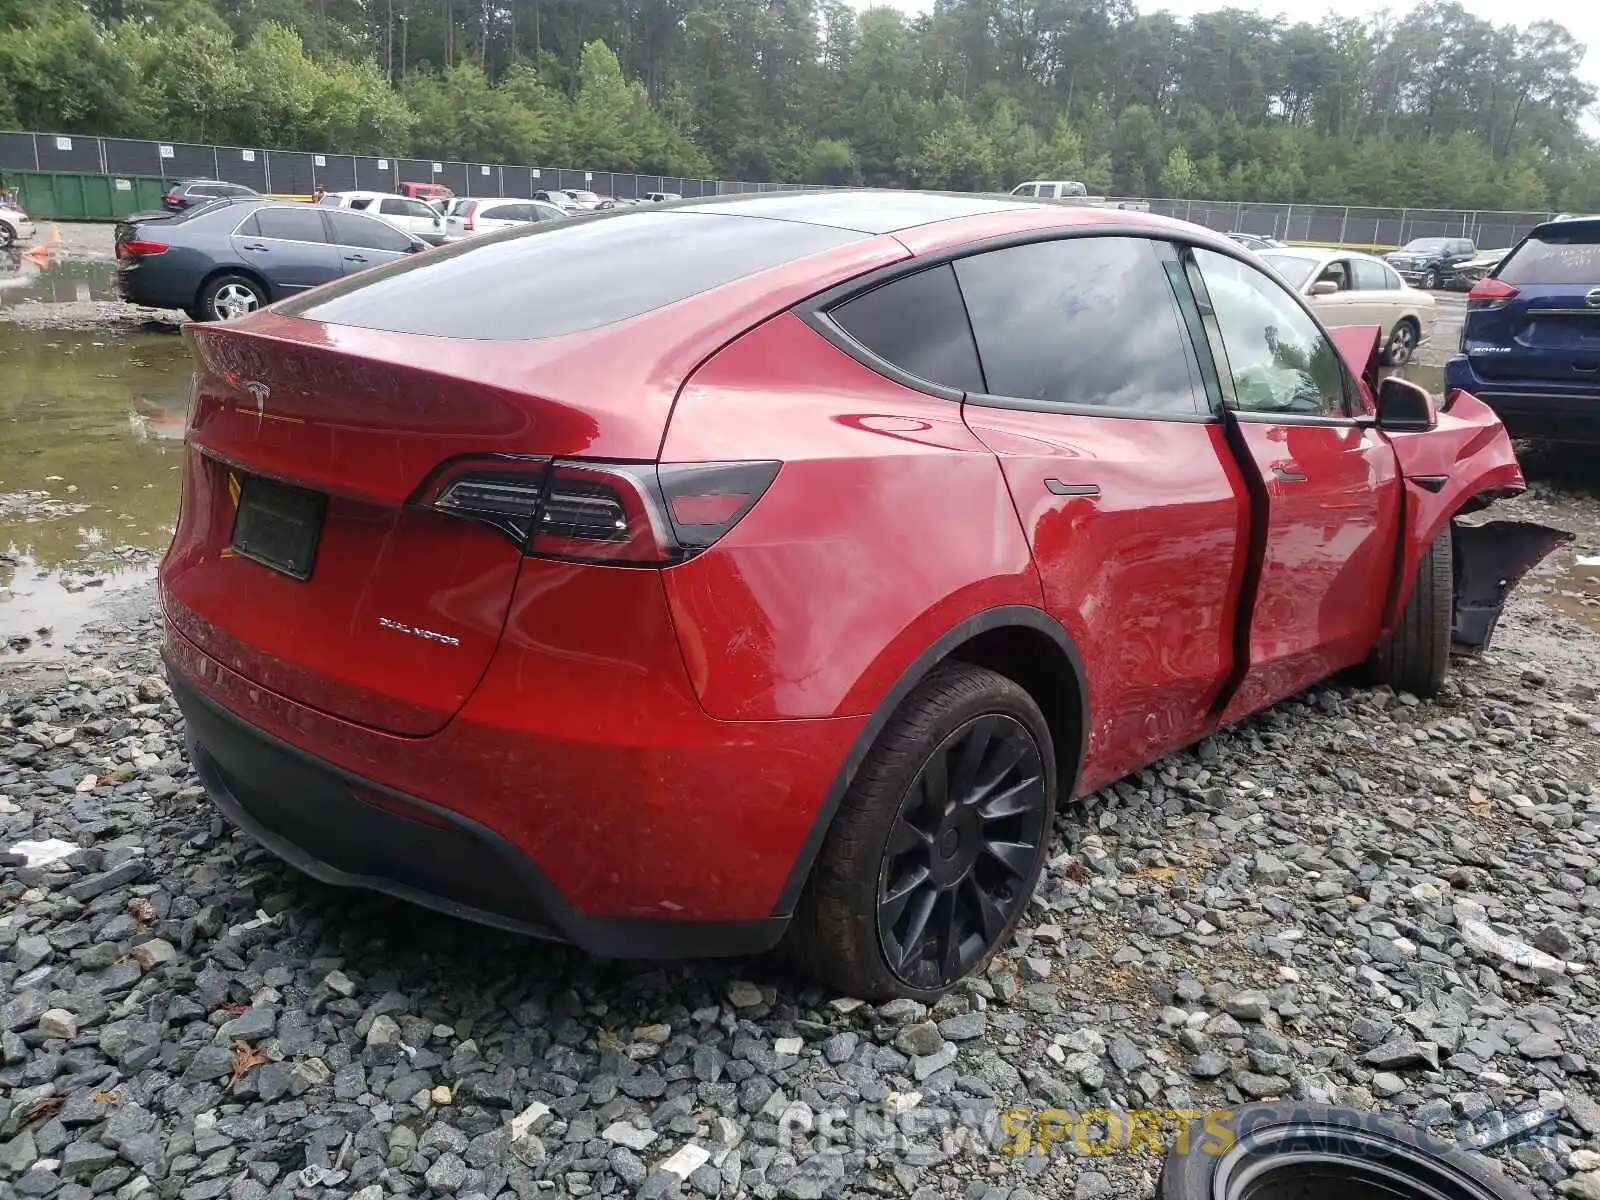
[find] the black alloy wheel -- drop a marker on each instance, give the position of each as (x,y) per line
(962,852)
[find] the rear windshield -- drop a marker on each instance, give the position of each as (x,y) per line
(561,277)
(1555,257)
(1427,245)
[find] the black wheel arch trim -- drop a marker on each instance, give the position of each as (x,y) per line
(1009,616)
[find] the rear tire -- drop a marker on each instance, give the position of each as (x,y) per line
(908,895)
(1416,657)
(1403,339)
(230,296)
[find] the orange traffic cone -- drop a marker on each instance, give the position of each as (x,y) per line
(40,252)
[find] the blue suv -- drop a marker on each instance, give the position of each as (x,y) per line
(1530,347)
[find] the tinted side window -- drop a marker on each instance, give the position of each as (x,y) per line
(203,189)
(1371,276)
(1557,257)
(1280,361)
(366,233)
(361,203)
(394,208)
(291,224)
(917,323)
(1085,321)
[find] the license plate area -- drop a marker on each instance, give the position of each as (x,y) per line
(278,526)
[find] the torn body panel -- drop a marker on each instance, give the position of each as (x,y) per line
(1459,466)
(1490,560)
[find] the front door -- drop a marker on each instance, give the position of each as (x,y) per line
(364,241)
(1329,486)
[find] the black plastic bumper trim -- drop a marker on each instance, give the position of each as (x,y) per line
(215,734)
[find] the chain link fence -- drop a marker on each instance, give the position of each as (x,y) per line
(300,173)
(1365,228)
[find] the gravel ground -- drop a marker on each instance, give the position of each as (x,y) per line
(1354,898)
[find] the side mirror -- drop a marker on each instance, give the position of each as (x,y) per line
(416,247)
(1405,407)
(1324,287)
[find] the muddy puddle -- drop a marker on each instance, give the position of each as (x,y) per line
(25,279)
(91,431)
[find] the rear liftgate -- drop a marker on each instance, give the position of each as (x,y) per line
(1490,560)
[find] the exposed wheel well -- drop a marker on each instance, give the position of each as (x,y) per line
(1038,664)
(242,272)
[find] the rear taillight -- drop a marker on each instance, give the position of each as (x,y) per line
(471,211)
(1490,293)
(627,514)
(134,248)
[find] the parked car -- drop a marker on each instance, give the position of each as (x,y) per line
(1468,273)
(471,217)
(1072,192)
(1530,346)
(15,226)
(411,216)
(661,197)
(223,260)
(405,627)
(427,192)
(561,198)
(587,200)
(1346,288)
(190,192)
(1428,262)
(1254,241)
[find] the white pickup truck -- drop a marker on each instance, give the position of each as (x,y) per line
(1070,191)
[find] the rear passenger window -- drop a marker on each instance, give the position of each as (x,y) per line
(917,323)
(1083,322)
(291,224)
(1371,276)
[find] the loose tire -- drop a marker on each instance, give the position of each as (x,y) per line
(1311,1152)
(229,296)
(937,845)
(1403,341)
(1416,657)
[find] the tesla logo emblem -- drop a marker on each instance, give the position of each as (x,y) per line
(259,393)
(1593,298)
(427,635)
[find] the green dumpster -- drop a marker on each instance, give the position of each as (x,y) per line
(68,196)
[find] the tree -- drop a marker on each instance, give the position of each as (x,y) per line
(1438,108)
(1179,178)
(958,156)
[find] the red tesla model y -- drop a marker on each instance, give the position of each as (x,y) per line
(692,579)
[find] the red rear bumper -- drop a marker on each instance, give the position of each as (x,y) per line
(605,807)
